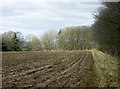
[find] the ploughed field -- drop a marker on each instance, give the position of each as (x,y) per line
(46,69)
(91,68)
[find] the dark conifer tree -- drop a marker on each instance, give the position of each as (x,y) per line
(15,43)
(4,47)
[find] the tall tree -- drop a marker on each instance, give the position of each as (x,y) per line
(36,44)
(49,40)
(105,30)
(74,38)
(6,38)
(15,43)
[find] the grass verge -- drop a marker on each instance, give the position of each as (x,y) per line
(106,69)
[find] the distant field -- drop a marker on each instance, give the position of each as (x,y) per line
(49,69)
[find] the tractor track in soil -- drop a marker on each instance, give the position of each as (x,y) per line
(60,70)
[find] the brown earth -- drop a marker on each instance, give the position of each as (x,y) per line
(47,69)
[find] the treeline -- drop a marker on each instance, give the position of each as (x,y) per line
(69,38)
(106,29)
(11,41)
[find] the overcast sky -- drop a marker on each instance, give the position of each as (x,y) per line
(37,16)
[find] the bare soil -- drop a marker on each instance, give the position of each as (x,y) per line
(46,69)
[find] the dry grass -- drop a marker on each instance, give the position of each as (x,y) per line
(106,68)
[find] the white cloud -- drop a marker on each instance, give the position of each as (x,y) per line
(56,18)
(41,1)
(23,31)
(37,16)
